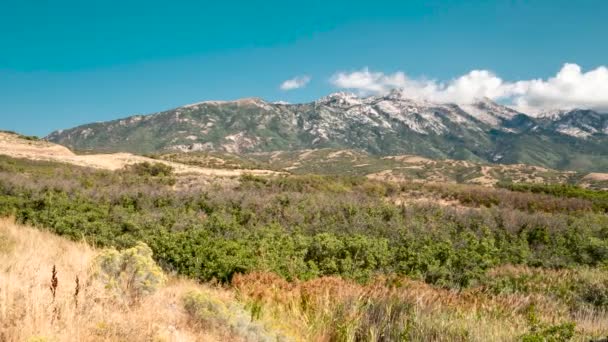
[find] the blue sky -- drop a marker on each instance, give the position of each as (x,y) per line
(65,63)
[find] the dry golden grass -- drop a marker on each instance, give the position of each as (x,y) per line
(330,309)
(28,311)
(545,284)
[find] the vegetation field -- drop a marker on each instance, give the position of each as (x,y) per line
(400,168)
(343,258)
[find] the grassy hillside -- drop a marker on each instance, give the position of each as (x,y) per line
(309,257)
(512,303)
(77,305)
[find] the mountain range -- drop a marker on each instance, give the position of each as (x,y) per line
(390,124)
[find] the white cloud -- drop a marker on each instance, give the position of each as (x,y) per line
(465,89)
(569,88)
(367,82)
(295,83)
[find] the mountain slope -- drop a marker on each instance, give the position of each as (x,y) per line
(15,146)
(383,125)
(411,168)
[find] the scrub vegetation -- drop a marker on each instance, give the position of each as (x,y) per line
(332,258)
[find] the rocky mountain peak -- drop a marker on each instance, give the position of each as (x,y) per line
(398,94)
(340,99)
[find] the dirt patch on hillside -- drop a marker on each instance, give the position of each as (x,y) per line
(341,153)
(388,176)
(485,179)
(406,158)
(305,154)
(596,176)
(15,146)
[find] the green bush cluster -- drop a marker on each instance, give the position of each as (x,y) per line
(300,227)
(555,333)
(540,332)
(147,172)
(582,288)
(479,196)
(151,169)
(599,198)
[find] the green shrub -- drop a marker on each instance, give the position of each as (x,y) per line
(212,312)
(151,169)
(253,180)
(130,274)
(594,293)
(554,333)
(599,198)
(353,256)
(540,332)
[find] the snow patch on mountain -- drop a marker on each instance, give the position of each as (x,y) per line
(552,114)
(340,99)
(573,132)
(489,112)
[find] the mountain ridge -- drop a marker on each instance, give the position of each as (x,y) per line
(384,125)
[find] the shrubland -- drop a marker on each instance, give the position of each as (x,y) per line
(57,290)
(348,258)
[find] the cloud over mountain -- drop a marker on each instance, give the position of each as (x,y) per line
(569,88)
(295,83)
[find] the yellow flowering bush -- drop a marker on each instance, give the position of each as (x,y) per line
(131,273)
